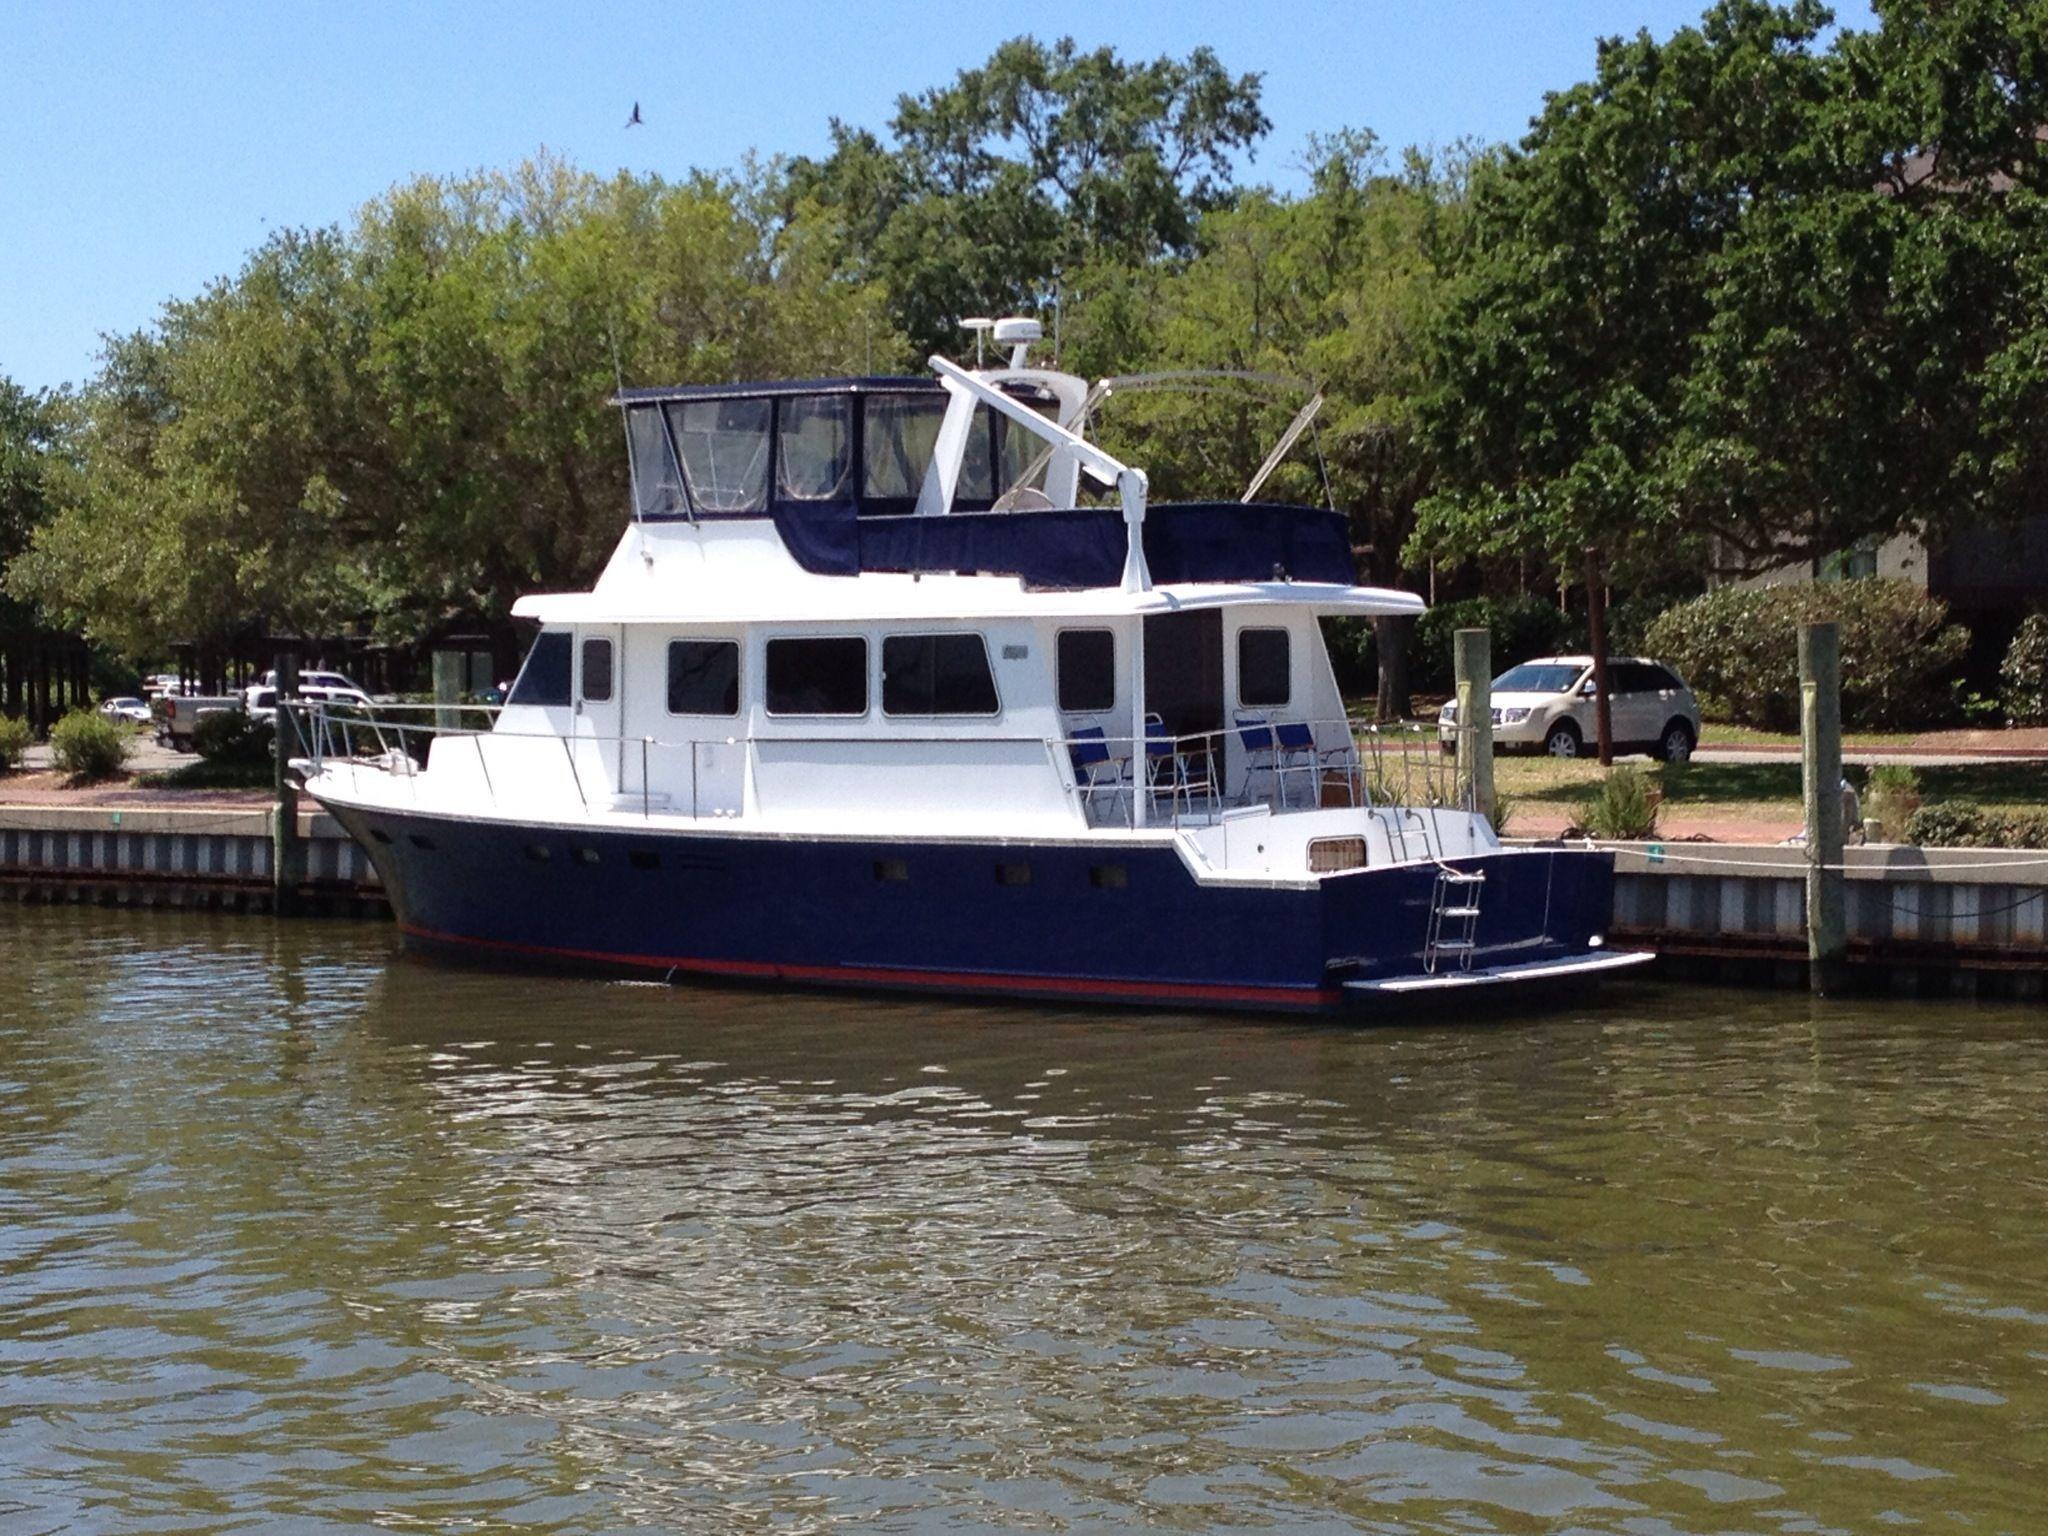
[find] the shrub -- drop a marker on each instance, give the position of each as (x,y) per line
(2023,677)
(1622,807)
(1521,627)
(1503,812)
(1740,648)
(14,739)
(88,745)
(232,737)
(1891,796)
(1977,826)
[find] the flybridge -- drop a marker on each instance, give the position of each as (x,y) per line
(985,471)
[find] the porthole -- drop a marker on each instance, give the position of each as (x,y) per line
(892,871)
(644,858)
(586,855)
(1109,877)
(1013,874)
(381,836)
(420,841)
(540,853)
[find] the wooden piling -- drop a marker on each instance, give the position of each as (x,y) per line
(1472,665)
(287,848)
(1596,633)
(1820,733)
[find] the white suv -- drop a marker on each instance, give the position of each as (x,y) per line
(1548,704)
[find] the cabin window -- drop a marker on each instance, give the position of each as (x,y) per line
(545,677)
(901,432)
(724,445)
(1263,670)
(1087,671)
(937,675)
(657,484)
(703,677)
(818,677)
(597,671)
(813,447)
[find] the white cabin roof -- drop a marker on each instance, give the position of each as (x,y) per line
(890,597)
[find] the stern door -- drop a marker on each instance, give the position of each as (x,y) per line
(603,767)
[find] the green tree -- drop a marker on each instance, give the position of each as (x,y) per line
(1337,287)
(401,425)
(1042,160)
(1708,306)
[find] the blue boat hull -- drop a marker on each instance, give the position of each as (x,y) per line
(1067,920)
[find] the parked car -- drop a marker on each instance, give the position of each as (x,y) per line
(134,711)
(1549,705)
(183,712)
(309,684)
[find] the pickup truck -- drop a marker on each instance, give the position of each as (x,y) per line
(181,713)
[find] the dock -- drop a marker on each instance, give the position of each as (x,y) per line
(1921,920)
(211,857)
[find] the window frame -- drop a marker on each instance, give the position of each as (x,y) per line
(611,669)
(867,679)
(1287,676)
(1059,670)
(568,699)
(850,465)
(671,412)
(988,669)
(739,678)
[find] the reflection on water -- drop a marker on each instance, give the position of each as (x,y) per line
(296,1234)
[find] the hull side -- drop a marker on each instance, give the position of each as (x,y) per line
(1070,921)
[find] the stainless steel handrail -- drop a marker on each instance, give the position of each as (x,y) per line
(1376,766)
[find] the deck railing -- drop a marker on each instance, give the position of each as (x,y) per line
(1280,763)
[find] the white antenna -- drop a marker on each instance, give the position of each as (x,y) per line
(1018,334)
(981,328)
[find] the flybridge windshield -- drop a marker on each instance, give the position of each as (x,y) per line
(734,457)
(1532,678)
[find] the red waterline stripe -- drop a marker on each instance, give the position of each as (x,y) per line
(1179,991)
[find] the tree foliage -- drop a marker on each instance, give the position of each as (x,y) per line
(400,423)
(1042,160)
(1754,293)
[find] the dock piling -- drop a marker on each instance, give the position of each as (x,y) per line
(1820,734)
(1472,665)
(287,848)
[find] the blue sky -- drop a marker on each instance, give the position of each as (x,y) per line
(145,148)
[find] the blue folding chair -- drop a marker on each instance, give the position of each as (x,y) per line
(1261,752)
(1294,751)
(1088,750)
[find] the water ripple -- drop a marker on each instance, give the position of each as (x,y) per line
(295,1234)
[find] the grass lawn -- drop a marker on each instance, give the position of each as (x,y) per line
(213,773)
(1717,733)
(1759,791)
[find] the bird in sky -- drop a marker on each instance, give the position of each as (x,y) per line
(635,120)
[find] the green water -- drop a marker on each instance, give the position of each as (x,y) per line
(298,1235)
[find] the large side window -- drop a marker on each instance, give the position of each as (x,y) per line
(1263,671)
(657,484)
(544,679)
(814,447)
(1087,671)
(724,444)
(597,671)
(703,677)
(900,434)
(937,675)
(818,677)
